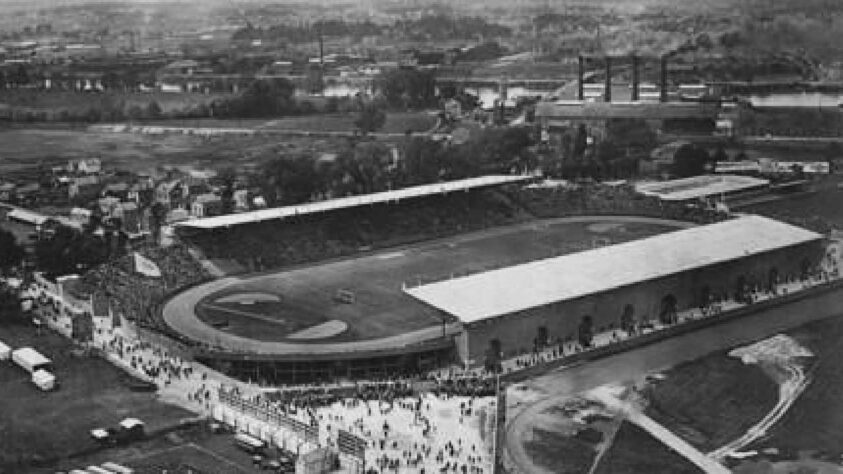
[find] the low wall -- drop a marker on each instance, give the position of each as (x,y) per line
(821,301)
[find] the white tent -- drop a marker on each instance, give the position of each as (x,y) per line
(131,423)
(5,351)
(29,359)
(44,380)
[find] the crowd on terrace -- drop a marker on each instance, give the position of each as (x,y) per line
(321,236)
(135,296)
(601,199)
(317,237)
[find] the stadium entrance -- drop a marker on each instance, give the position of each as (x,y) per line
(275,372)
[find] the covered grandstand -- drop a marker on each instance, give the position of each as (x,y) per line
(506,310)
(352,201)
(702,187)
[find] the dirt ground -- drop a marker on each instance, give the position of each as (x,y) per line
(44,426)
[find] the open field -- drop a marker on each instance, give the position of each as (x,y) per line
(25,148)
(712,400)
(636,451)
(37,99)
(188,449)
(559,453)
(381,308)
(93,394)
(396,122)
(814,421)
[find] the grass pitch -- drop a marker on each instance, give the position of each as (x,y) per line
(713,400)
(381,308)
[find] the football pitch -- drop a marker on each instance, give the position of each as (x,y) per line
(296,304)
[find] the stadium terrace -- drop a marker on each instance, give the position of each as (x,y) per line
(353,201)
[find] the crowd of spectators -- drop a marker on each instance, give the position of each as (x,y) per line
(604,199)
(316,237)
(137,297)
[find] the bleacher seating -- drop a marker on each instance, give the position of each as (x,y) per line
(318,237)
(597,199)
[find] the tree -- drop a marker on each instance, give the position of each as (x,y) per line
(720,155)
(290,180)
(263,98)
(227,177)
(496,150)
(11,253)
(585,331)
(153,110)
(68,251)
(365,169)
(580,142)
(689,160)
(422,161)
(370,119)
(157,216)
(411,88)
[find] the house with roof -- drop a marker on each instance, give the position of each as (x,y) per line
(130,216)
(206,205)
(85,166)
(86,186)
(7,191)
(119,190)
(168,192)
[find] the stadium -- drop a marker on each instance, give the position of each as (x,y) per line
(511,273)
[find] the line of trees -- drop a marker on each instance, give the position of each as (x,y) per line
(366,166)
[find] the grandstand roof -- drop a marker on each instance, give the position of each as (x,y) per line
(697,187)
(351,201)
(518,288)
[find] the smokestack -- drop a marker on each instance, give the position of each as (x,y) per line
(580,74)
(636,80)
(608,88)
(663,90)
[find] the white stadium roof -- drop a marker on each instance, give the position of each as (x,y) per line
(518,288)
(351,201)
(697,187)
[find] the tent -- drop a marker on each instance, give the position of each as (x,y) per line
(131,429)
(118,468)
(44,380)
(5,351)
(30,359)
(100,435)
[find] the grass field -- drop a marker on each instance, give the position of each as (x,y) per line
(636,451)
(36,425)
(814,421)
(188,450)
(713,400)
(559,453)
(396,122)
(381,308)
(26,148)
(58,100)
(825,204)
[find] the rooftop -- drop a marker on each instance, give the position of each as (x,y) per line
(351,201)
(539,283)
(697,187)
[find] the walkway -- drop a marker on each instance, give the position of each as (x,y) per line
(634,415)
